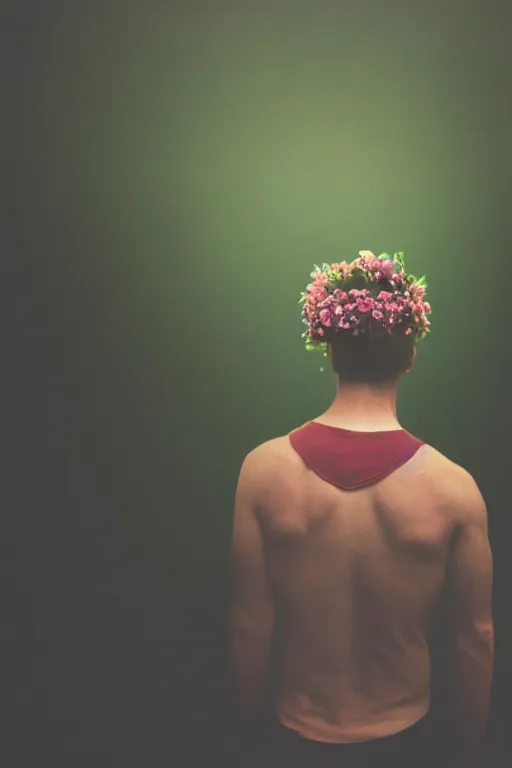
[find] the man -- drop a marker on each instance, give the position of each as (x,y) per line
(351,527)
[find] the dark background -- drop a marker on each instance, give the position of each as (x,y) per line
(162,217)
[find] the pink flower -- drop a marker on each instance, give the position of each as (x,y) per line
(366,260)
(326,304)
(364,305)
(386,267)
(418,290)
(325,317)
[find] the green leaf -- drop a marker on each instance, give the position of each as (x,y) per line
(399,258)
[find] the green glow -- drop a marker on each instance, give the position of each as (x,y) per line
(218,155)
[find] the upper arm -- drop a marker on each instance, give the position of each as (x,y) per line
(470,567)
(252,592)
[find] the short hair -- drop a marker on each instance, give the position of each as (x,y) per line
(366,360)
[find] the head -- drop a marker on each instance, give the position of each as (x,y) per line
(375,362)
(368,316)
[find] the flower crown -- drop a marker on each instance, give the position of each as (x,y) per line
(373,295)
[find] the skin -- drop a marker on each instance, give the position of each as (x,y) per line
(357,575)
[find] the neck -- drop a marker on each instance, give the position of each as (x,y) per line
(364,407)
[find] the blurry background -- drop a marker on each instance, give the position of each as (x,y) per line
(179,169)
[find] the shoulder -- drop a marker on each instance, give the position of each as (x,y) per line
(268,463)
(442,467)
(270,454)
(456,486)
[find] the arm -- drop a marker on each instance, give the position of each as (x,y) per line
(253,612)
(470,575)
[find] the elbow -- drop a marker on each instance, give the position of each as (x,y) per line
(476,640)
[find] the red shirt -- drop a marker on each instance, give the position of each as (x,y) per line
(349,459)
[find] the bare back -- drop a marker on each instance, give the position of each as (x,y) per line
(358,574)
